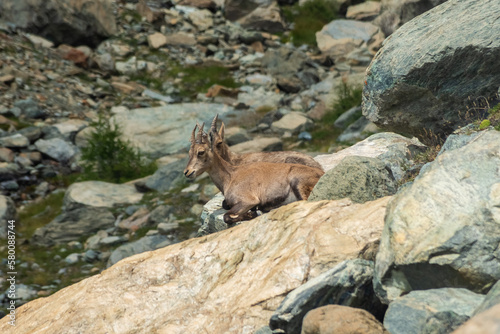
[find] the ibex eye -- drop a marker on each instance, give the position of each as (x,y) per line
(200,153)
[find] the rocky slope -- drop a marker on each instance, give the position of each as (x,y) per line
(155,68)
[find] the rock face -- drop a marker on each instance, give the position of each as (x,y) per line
(56,148)
(182,288)
(422,82)
(431,311)
(337,319)
(361,179)
(73,22)
(348,284)
(150,128)
(443,229)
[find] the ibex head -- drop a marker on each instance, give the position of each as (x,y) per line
(198,153)
(217,138)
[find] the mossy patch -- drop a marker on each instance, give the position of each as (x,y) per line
(309,18)
(39,213)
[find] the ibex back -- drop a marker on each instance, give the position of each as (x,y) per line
(246,188)
(223,150)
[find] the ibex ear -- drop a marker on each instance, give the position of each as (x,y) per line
(221,131)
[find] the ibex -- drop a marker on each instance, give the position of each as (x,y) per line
(240,159)
(246,188)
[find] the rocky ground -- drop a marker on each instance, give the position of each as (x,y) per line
(154,68)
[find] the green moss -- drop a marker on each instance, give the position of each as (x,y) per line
(39,213)
(484,124)
(308,19)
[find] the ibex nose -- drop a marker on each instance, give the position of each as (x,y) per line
(188,173)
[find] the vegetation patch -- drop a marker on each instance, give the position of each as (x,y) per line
(109,158)
(39,213)
(309,18)
(324,132)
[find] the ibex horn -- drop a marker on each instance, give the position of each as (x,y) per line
(200,136)
(213,128)
(192,140)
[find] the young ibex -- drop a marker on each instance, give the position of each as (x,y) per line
(246,188)
(289,157)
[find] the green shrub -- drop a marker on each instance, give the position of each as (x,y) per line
(308,19)
(108,158)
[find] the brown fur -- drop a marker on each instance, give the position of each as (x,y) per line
(258,185)
(290,157)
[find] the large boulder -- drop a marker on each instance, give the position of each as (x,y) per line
(442,230)
(427,84)
(73,22)
(348,284)
(396,151)
(221,283)
(361,179)
(149,129)
(431,311)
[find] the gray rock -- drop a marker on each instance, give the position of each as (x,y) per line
(340,37)
(56,148)
(259,144)
(72,225)
(167,177)
(29,108)
(394,150)
(348,117)
(437,311)
(142,245)
(8,171)
(415,76)
(491,299)
(100,194)
(236,9)
(15,141)
(160,214)
(7,212)
(293,122)
(348,284)
(10,185)
(359,130)
(284,61)
(112,240)
(73,258)
(167,228)
(149,129)
(73,22)
(398,12)
(264,19)
(361,179)
(442,230)
(212,219)
(91,255)
(24,293)
(31,132)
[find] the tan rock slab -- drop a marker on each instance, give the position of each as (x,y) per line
(227,282)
